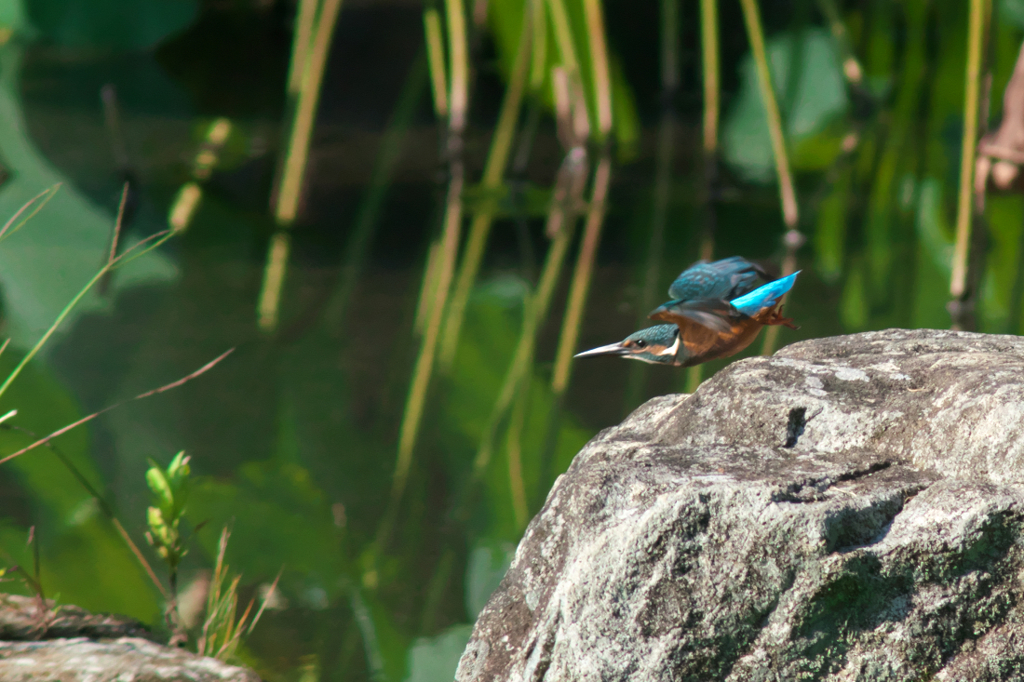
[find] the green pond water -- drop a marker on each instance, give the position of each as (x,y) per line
(293,438)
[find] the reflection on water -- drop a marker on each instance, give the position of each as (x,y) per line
(294,438)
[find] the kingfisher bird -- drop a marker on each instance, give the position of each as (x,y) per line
(716,311)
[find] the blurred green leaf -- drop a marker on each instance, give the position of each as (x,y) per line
(528,201)
(1011,12)
(434,659)
(14,16)
(625,118)
(488,563)
(321,404)
(491,332)
(1005,216)
(853,310)
(277,516)
(386,648)
(934,257)
(817,99)
(48,261)
(83,558)
(117,24)
(505,18)
(830,234)
(932,226)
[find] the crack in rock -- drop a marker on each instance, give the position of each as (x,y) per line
(795,426)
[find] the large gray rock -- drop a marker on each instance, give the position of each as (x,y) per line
(851,508)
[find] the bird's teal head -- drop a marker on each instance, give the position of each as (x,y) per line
(657,345)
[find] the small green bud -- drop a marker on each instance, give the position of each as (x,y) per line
(159,484)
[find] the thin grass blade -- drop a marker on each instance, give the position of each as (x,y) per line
(174,384)
(156,240)
(36,203)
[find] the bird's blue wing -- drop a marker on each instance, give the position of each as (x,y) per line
(723,279)
(764,296)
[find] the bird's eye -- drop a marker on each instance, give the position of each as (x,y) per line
(640,343)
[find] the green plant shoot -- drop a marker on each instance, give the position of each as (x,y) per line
(170,491)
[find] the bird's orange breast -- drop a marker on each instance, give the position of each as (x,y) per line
(703,344)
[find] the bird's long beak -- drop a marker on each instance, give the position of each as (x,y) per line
(610,349)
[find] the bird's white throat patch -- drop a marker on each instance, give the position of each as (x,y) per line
(671,350)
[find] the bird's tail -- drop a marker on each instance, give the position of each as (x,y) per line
(764,296)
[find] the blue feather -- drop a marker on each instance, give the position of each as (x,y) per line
(722,279)
(764,296)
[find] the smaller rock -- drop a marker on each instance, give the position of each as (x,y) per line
(25,618)
(126,659)
(42,641)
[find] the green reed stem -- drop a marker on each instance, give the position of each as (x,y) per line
(588,249)
(712,113)
(563,107)
(711,69)
(755,33)
(458,55)
(893,161)
(428,288)
(563,36)
(599,66)
(435,58)
(494,172)
(293,174)
(787,191)
(570,183)
(582,276)
(416,401)
(304,24)
(273,280)
(305,114)
(539,61)
(957,284)
(517,424)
